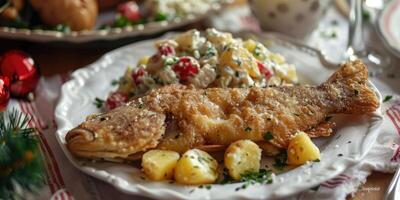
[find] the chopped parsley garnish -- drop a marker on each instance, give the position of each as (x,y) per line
(140,105)
(263,176)
(268,136)
(208,187)
(280,160)
(331,34)
(170,60)
(115,82)
(160,17)
(62,28)
(257,50)
(387,98)
(247,129)
(98,102)
(210,52)
(317,160)
(121,21)
(226,177)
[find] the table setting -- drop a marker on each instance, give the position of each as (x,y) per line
(213,99)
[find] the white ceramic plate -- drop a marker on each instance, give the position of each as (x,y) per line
(94,81)
(108,34)
(389,28)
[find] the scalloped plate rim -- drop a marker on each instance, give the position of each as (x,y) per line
(62,122)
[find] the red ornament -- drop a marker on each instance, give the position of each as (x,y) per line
(22,72)
(4,92)
(130,10)
(186,67)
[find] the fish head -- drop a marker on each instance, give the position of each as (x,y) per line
(117,134)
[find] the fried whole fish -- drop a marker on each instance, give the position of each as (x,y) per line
(178,118)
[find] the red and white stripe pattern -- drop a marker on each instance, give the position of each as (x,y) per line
(337,181)
(54,178)
(61,194)
(393,114)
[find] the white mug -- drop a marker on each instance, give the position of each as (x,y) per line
(293,17)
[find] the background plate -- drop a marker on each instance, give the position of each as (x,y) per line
(109,34)
(388,25)
(95,81)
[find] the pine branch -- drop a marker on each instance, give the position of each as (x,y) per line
(20,160)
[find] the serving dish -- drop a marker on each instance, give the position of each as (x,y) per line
(353,136)
(147,29)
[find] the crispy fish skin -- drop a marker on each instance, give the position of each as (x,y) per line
(220,116)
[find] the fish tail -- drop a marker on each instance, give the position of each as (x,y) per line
(349,84)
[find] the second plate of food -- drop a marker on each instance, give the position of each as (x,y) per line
(81,21)
(289,163)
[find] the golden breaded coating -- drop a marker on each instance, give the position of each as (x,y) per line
(183,118)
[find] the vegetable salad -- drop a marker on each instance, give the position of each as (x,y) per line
(212,59)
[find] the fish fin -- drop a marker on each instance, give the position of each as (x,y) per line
(351,80)
(323,129)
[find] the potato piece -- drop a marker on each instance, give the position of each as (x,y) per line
(159,164)
(241,157)
(250,45)
(302,149)
(287,72)
(240,59)
(126,85)
(196,167)
(143,61)
(219,39)
(190,40)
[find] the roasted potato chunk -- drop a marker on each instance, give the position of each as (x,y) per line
(301,149)
(240,59)
(196,167)
(159,164)
(241,157)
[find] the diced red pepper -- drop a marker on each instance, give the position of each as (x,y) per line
(116,99)
(138,75)
(186,67)
(166,50)
(130,10)
(264,70)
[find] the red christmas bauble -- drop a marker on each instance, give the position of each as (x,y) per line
(4,92)
(21,70)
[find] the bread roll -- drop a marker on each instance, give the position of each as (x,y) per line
(77,14)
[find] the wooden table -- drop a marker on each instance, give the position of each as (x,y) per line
(53,60)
